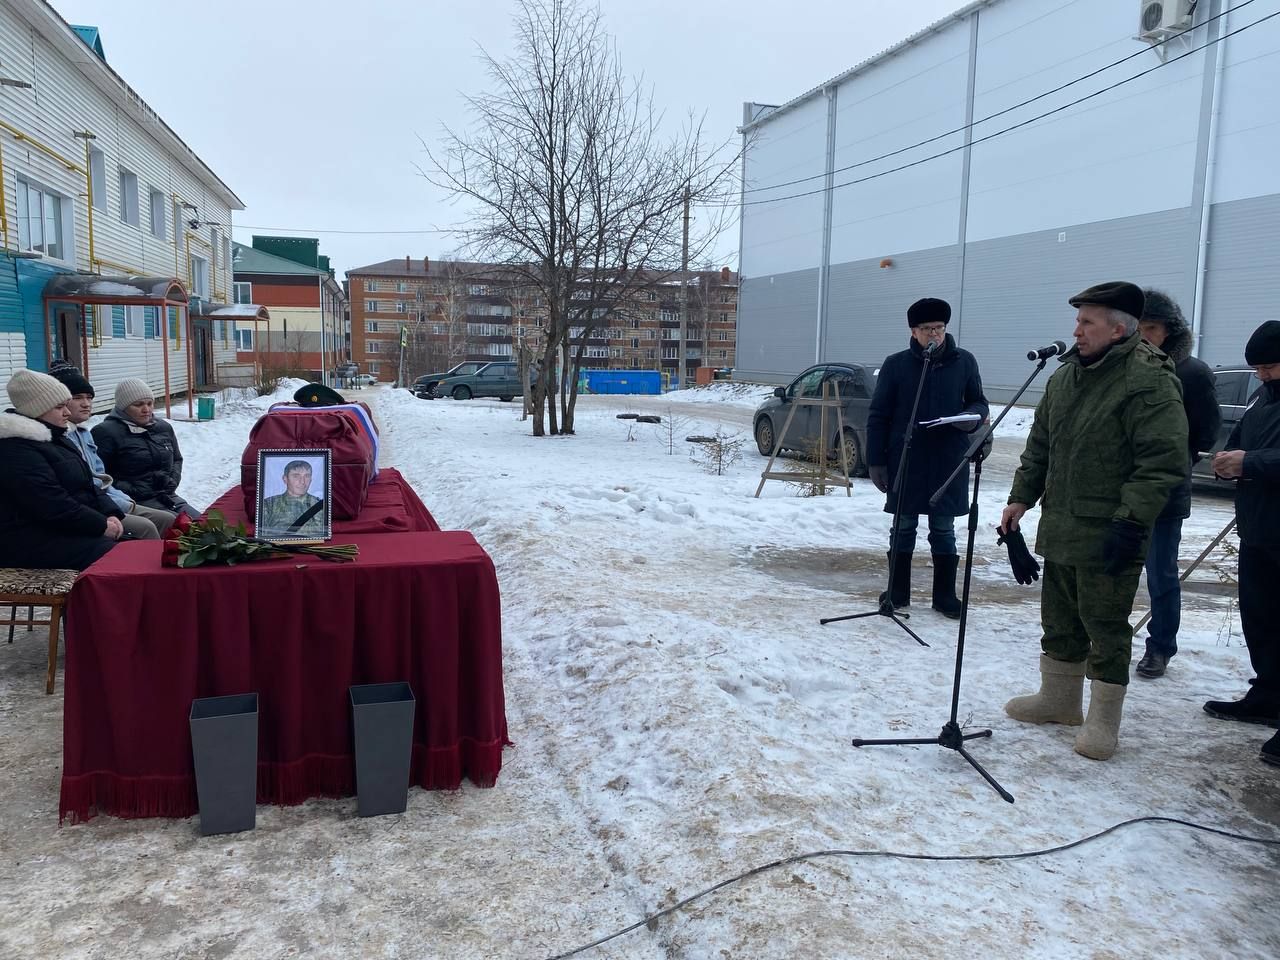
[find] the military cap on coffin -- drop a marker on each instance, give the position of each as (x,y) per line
(1116,294)
(317,395)
(928,310)
(1264,346)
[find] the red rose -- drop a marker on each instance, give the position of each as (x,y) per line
(182,524)
(170,553)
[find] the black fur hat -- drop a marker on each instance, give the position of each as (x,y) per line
(928,310)
(1163,309)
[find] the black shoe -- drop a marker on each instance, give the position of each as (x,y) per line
(901,582)
(1152,665)
(1245,711)
(1270,752)
(944,585)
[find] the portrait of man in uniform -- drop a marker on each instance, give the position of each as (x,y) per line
(293,495)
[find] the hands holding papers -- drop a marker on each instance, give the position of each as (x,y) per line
(961,421)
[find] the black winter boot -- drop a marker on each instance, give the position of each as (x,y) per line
(901,581)
(944,585)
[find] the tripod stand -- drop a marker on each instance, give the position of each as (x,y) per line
(951,735)
(886,609)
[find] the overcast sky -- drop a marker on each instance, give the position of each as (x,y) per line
(312,113)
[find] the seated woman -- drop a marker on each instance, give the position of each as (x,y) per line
(140,450)
(52,514)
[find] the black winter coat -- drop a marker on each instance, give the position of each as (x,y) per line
(52,514)
(953,386)
(1258,489)
(1204,416)
(144,462)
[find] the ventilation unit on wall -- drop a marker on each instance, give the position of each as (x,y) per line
(1158,19)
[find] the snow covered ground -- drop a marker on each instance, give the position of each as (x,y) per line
(680,717)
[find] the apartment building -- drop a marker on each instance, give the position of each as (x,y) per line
(452,311)
(117,251)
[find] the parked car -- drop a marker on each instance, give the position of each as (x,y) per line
(424,385)
(500,379)
(364,379)
(856,382)
(1237,389)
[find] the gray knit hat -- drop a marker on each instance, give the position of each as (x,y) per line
(33,394)
(131,390)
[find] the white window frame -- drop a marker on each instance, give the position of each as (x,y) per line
(64,220)
(374,367)
(373,346)
(372,306)
(244,339)
(98,178)
(135,322)
(237,287)
(157,213)
(199,277)
(370,286)
(130,212)
(371,326)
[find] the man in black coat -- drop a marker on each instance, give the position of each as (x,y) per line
(952,387)
(1164,327)
(1252,458)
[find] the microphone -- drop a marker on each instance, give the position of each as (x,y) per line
(932,348)
(1052,350)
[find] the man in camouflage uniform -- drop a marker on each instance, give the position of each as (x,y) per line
(1106,448)
(281,512)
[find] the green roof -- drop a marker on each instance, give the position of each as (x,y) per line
(245,259)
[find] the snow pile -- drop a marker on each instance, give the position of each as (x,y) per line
(749,395)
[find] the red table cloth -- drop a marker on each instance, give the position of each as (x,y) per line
(143,641)
(392,506)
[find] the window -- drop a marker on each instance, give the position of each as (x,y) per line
(635,363)
(401,287)
(200,277)
(437,329)
(370,286)
(401,307)
(478,290)
(670,333)
(724,354)
(244,339)
(135,320)
(670,353)
(242,292)
(669,316)
(129,198)
(372,306)
(373,368)
(724,297)
(373,346)
(499,349)
(651,334)
(724,318)
(808,384)
(722,334)
(98,178)
(650,355)
(157,214)
(651,296)
(41,221)
(371,326)
(635,343)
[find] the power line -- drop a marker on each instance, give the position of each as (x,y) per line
(999,113)
(998,133)
(245,226)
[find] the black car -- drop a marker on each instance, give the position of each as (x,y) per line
(425,384)
(856,382)
(1237,388)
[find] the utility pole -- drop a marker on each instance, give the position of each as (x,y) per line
(684,294)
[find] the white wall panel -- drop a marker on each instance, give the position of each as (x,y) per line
(787,235)
(1249,120)
(910,97)
(1126,152)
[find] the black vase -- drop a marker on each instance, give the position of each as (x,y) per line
(224,743)
(382,714)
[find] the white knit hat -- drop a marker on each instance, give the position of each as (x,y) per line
(131,390)
(33,394)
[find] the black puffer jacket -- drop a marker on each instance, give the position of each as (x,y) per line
(953,386)
(144,462)
(52,514)
(1258,489)
(1204,416)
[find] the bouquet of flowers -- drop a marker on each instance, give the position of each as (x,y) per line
(191,543)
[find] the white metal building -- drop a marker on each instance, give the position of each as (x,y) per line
(1008,157)
(95,189)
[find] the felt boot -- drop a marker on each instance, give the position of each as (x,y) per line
(901,581)
(1060,696)
(944,585)
(1097,738)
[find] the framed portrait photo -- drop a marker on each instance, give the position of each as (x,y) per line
(294,492)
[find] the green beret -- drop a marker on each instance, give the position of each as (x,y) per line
(318,395)
(1116,294)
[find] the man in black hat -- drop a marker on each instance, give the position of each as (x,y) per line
(1106,448)
(1164,327)
(1252,458)
(952,387)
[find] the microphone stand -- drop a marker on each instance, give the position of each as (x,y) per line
(951,735)
(886,604)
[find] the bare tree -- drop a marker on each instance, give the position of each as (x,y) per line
(574,187)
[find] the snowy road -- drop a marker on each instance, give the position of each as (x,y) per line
(680,717)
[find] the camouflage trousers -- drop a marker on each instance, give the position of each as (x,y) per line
(1085,615)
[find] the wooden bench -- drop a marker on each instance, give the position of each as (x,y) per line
(21,587)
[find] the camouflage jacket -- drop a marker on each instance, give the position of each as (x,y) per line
(280,512)
(1109,441)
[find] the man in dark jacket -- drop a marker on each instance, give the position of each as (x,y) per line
(52,514)
(952,387)
(1108,444)
(1163,326)
(140,450)
(1252,458)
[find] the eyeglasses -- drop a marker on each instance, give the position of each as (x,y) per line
(932,328)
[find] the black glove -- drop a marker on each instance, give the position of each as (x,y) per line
(880,477)
(1121,547)
(1025,566)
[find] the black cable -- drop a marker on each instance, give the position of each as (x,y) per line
(998,133)
(1001,113)
(890,854)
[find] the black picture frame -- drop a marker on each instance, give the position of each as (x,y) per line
(277,517)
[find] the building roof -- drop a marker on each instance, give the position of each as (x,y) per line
(915,38)
(91,288)
(246,259)
(442,268)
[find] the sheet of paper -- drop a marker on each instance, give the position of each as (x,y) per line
(970,418)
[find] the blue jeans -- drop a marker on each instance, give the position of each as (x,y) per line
(942,534)
(1164,587)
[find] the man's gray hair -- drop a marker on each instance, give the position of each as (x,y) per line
(1119,318)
